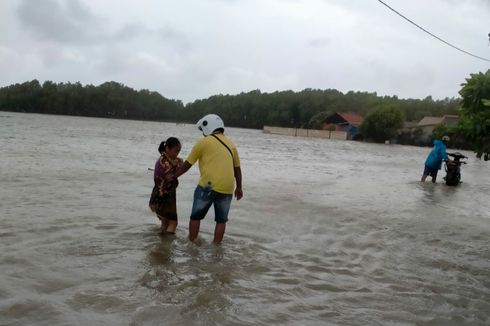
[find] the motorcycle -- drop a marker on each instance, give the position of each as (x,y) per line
(453,168)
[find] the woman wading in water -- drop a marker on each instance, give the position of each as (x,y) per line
(163,197)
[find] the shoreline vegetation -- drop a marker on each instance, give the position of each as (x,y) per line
(305,109)
(254,109)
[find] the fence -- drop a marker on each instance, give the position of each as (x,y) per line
(297,132)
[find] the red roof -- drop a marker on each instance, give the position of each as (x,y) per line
(352,118)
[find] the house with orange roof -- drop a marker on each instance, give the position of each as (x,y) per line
(343,121)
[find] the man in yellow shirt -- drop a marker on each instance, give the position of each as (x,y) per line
(219,166)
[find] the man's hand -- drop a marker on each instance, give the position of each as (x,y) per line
(238,193)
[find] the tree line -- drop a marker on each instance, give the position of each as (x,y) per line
(254,109)
(110,99)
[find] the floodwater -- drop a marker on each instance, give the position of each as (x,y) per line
(328,233)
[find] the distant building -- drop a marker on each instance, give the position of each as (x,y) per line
(427,124)
(343,121)
(409,125)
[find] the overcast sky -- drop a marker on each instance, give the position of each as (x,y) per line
(190,49)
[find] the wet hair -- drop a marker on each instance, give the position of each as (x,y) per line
(171,142)
(161,148)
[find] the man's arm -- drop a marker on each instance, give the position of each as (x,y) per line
(193,157)
(444,153)
(183,169)
(238,178)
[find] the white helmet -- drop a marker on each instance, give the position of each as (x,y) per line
(446,138)
(209,123)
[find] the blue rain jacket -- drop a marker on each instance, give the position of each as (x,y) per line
(438,153)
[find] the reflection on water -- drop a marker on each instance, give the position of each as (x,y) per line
(328,232)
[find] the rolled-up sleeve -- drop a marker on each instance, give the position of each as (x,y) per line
(236,158)
(195,153)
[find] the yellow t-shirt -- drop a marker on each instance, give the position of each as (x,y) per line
(215,163)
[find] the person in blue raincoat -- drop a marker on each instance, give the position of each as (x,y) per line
(433,162)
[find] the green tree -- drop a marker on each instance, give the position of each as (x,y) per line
(475,112)
(382,123)
(317,120)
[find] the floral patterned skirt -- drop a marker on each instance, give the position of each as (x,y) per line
(164,206)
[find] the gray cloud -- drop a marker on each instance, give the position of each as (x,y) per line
(130,32)
(319,42)
(165,37)
(60,21)
(176,39)
(230,46)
